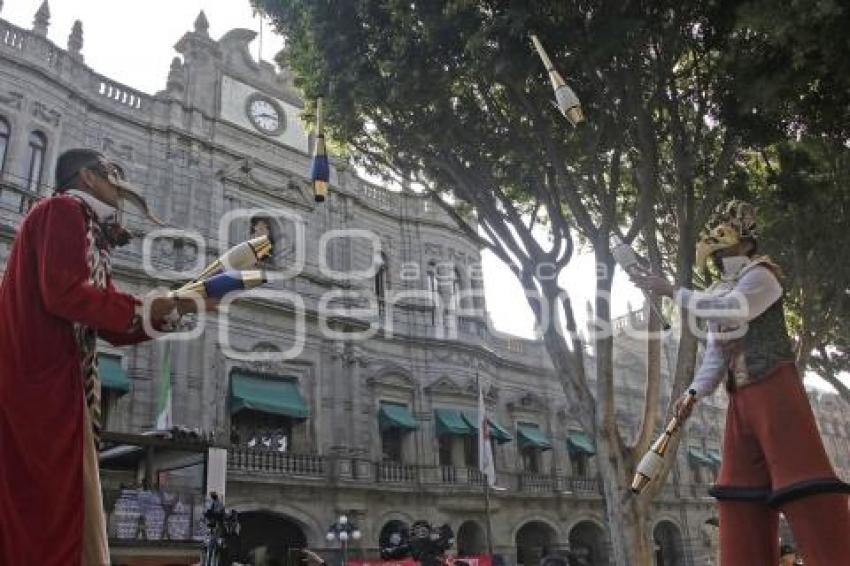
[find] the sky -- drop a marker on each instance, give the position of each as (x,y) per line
(133,43)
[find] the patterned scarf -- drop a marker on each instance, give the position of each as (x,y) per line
(100,271)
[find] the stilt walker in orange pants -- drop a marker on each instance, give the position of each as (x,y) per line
(773,457)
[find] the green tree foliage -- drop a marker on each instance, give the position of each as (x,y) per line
(803,192)
(450,92)
(789,71)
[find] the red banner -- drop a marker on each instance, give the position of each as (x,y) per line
(480,560)
(405,562)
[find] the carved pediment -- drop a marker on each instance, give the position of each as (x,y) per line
(392,376)
(491,392)
(528,402)
(446,386)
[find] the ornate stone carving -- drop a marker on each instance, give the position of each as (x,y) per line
(75,41)
(176,82)
(457,256)
(122,151)
(202,24)
(13,99)
(392,376)
(433,250)
(41,21)
(445,386)
(42,112)
(528,402)
(349,354)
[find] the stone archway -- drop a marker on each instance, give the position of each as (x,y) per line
(669,548)
(471,540)
(534,540)
(270,537)
(588,544)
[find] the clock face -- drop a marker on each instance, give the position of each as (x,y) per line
(265,114)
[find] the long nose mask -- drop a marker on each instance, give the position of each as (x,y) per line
(129,193)
(116,232)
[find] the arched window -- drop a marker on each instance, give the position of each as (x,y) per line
(431,281)
(381,283)
(38,146)
(457,288)
(4,142)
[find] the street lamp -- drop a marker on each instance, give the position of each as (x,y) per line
(343,530)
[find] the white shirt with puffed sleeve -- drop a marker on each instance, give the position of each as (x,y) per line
(745,292)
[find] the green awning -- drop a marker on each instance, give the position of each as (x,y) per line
(579,443)
(497,432)
(532,436)
(266,395)
(393,415)
(714,455)
(452,421)
(112,374)
(699,458)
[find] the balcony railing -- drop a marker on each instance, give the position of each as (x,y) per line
(252,460)
(461,476)
(393,472)
(584,486)
(363,471)
(536,483)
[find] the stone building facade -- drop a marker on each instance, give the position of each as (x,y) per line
(382,428)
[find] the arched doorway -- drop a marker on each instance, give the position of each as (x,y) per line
(470,539)
(385,537)
(534,540)
(270,537)
(588,544)
(669,550)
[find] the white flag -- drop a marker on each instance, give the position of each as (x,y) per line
(163,402)
(485,448)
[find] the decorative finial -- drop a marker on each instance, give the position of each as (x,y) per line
(75,40)
(202,25)
(175,82)
(41,20)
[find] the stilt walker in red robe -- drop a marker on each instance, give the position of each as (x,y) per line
(773,457)
(56,298)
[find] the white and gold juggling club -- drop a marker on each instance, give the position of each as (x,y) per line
(320,172)
(221,284)
(566,100)
(652,461)
(240,256)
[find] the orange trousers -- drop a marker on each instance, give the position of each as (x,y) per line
(774,461)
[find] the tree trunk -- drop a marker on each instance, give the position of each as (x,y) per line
(628,515)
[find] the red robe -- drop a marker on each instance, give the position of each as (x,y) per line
(45,290)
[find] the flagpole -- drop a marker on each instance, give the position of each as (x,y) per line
(488,526)
(487,517)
